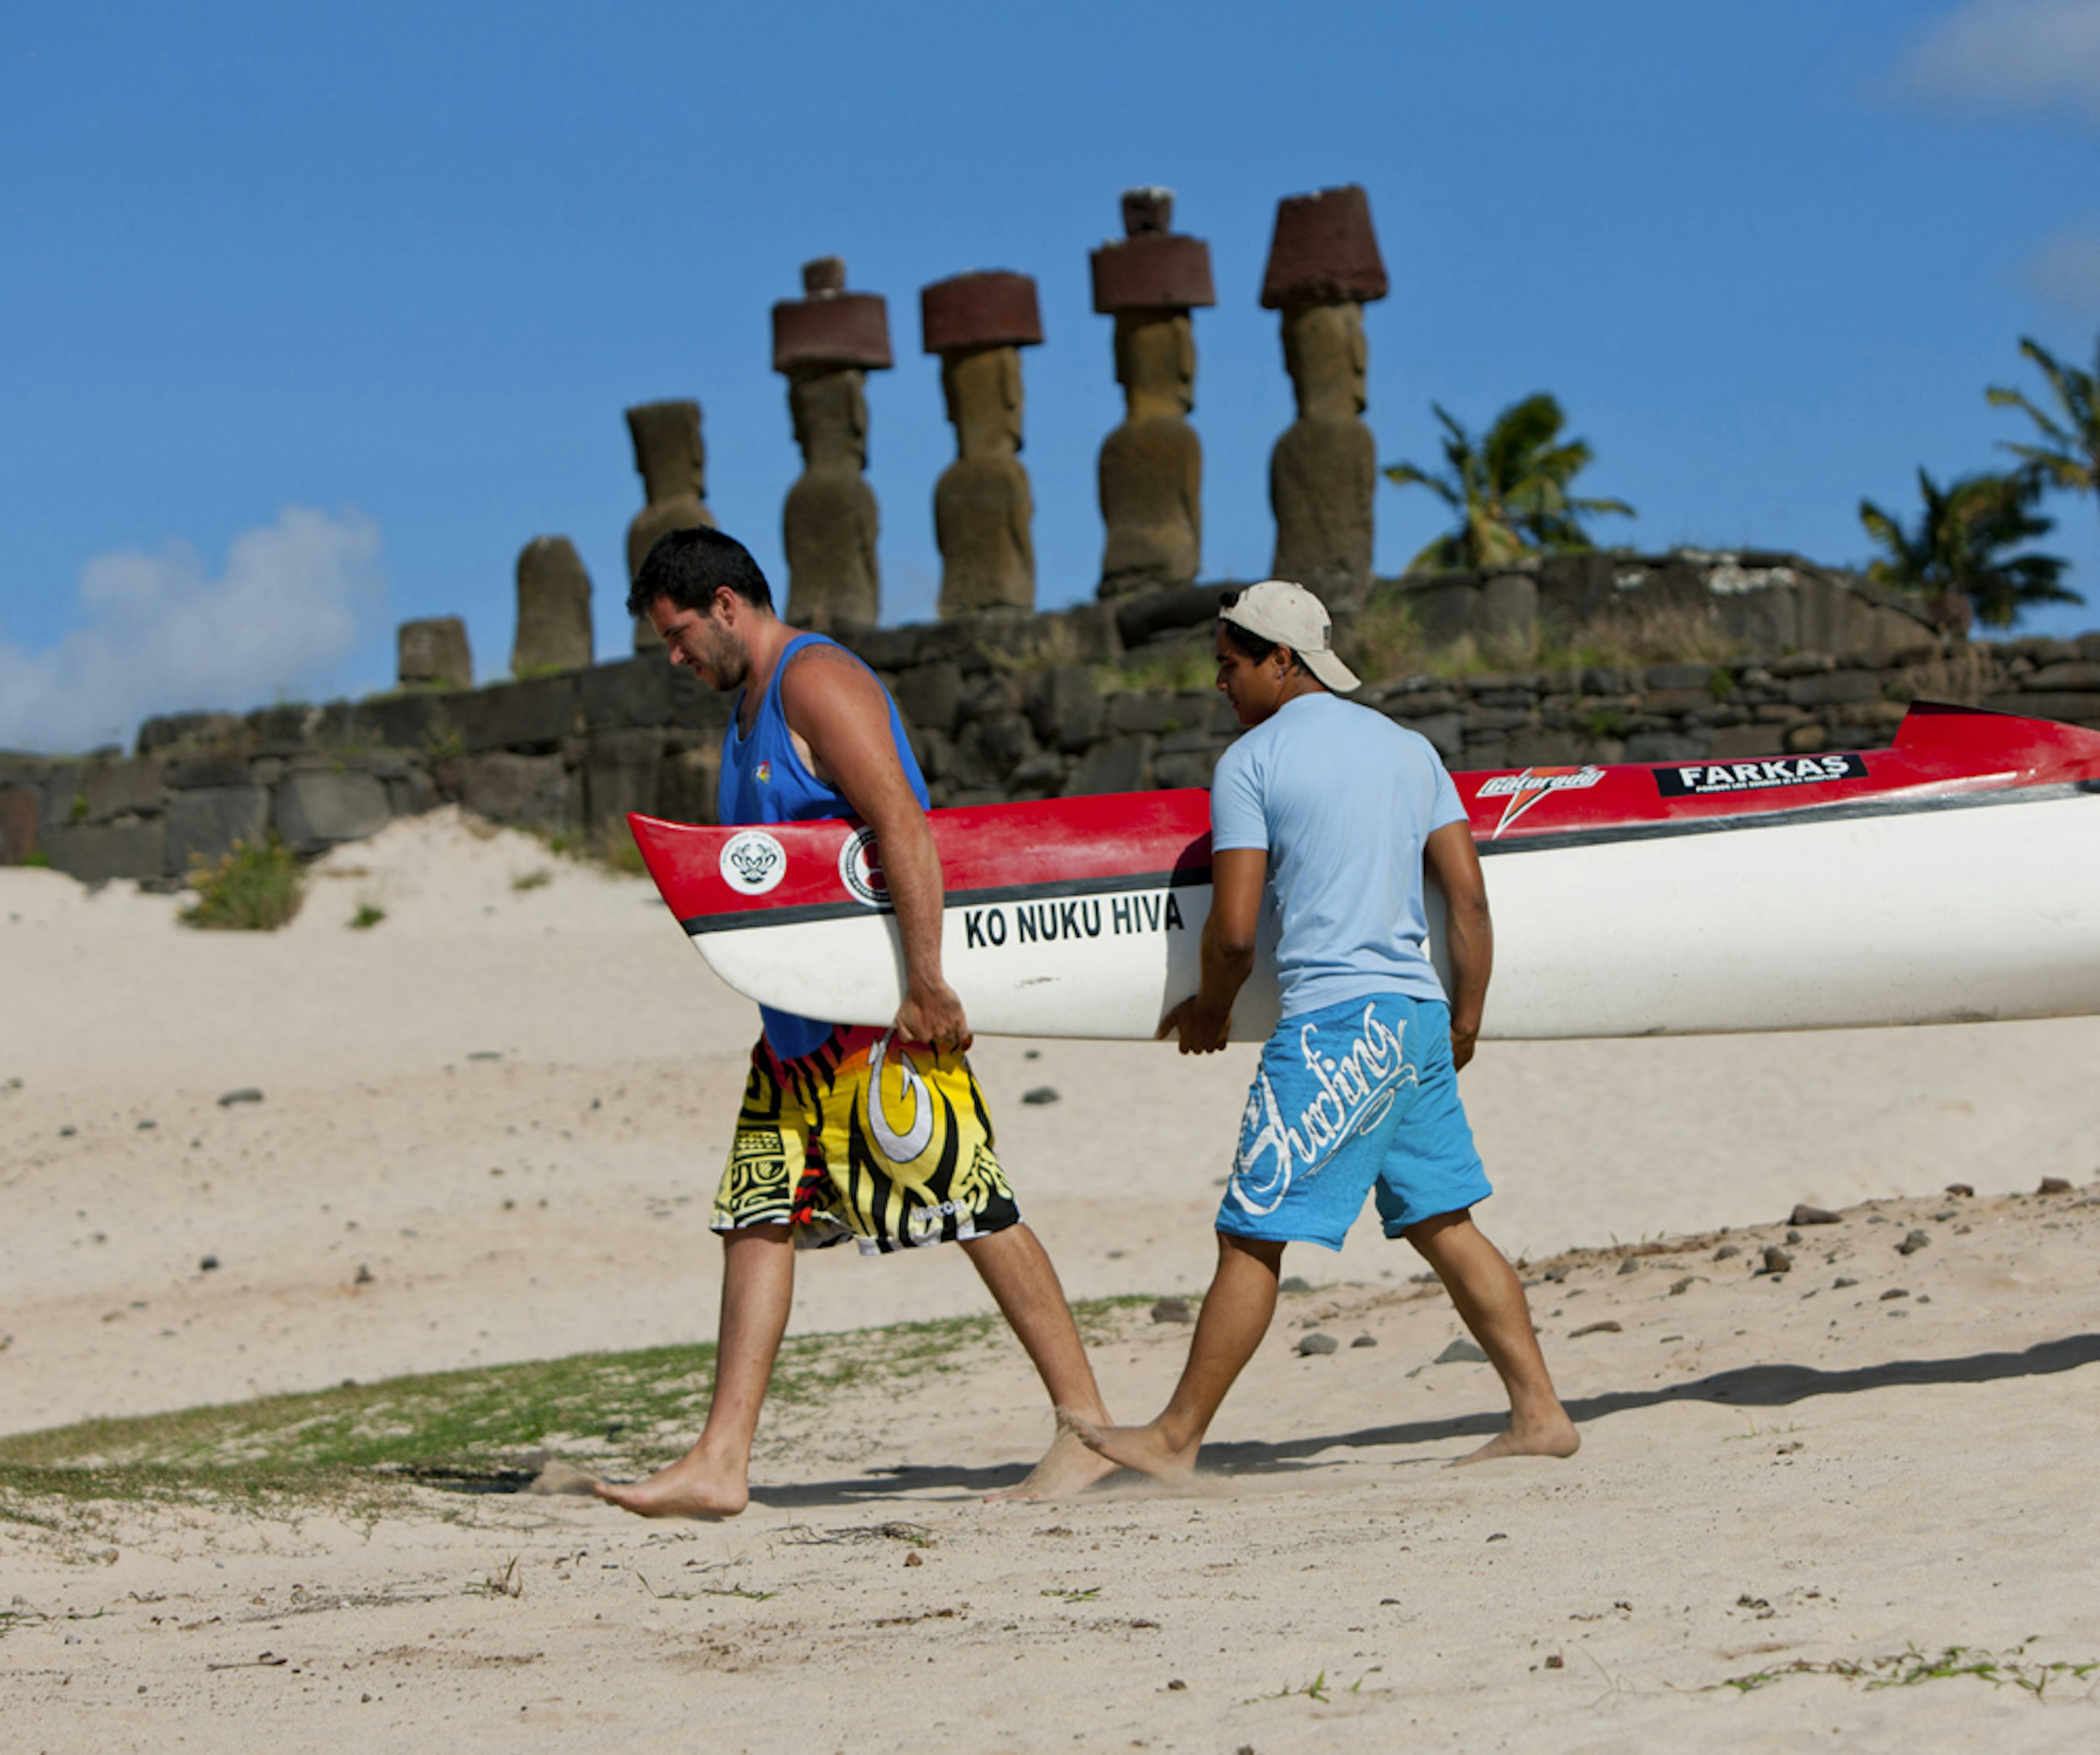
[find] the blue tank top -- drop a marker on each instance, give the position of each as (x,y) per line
(763,780)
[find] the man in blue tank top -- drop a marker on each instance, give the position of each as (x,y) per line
(1326,813)
(818,1157)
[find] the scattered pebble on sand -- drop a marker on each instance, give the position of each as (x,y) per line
(1316,1343)
(1040,1094)
(1608,1326)
(1805,1214)
(245,1094)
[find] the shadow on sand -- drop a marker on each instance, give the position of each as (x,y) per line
(1772,1385)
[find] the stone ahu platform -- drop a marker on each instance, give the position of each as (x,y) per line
(1009,706)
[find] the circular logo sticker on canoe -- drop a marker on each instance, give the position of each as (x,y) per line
(860,869)
(752,862)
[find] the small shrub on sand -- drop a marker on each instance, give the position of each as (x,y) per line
(254,888)
(367,916)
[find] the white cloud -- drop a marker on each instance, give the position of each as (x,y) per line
(161,636)
(2064,275)
(2010,55)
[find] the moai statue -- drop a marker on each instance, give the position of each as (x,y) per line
(1152,466)
(983,511)
(553,609)
(432,654)
(826,343)
(1323,267)
(674,463)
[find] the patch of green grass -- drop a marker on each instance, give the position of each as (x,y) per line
(76,812)
(254,888)
(470,1427)
(39,858)
(1314,1690)
(506,1583)
(1187,664)
(368,915)
(1908,1668)
(10,1619)
(615,850)
(620,853)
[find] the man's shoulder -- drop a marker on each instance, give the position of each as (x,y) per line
(818,667)
(1332,720)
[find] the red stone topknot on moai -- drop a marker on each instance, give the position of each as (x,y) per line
(1151,470)
(982,510)
(1324,266)
(826,343)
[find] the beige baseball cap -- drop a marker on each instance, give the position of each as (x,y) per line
(1291,615)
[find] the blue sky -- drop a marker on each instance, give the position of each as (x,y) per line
(314,317)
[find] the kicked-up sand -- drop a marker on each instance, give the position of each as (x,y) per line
(489,1132)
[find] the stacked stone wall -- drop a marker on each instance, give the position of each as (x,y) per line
(1004,707)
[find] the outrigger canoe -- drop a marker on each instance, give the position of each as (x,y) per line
(1954,877)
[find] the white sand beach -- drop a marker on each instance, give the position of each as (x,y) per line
(489,1130)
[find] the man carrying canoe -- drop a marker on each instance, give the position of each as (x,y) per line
(1331,812)
(882,1135)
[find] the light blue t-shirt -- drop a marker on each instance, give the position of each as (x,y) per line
(1341,798)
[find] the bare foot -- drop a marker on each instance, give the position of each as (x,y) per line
(1554,1437)
(1145,1448)
(1068,1468)
(690,1487)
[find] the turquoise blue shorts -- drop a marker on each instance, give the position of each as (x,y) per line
(1355,1095)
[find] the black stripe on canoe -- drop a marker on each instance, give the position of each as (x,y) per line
(1895,803)
(1059,890)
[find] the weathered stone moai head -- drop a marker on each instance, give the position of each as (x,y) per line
(433,655)
(553,609)
(1152,466)
(673,465)
(982,510)
(1323,267)
(826,343)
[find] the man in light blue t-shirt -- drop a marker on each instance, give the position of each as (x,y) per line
(1327,814)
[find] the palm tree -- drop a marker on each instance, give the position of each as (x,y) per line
(2071,455)
(1510,490)
(1959,543)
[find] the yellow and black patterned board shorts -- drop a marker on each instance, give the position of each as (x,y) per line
(866,1136)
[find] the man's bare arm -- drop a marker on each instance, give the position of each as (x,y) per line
(1449,856)
(838,708)
(1204,1020)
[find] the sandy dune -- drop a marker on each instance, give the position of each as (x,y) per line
(507,1106)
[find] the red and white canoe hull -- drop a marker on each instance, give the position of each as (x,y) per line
(1955,877)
